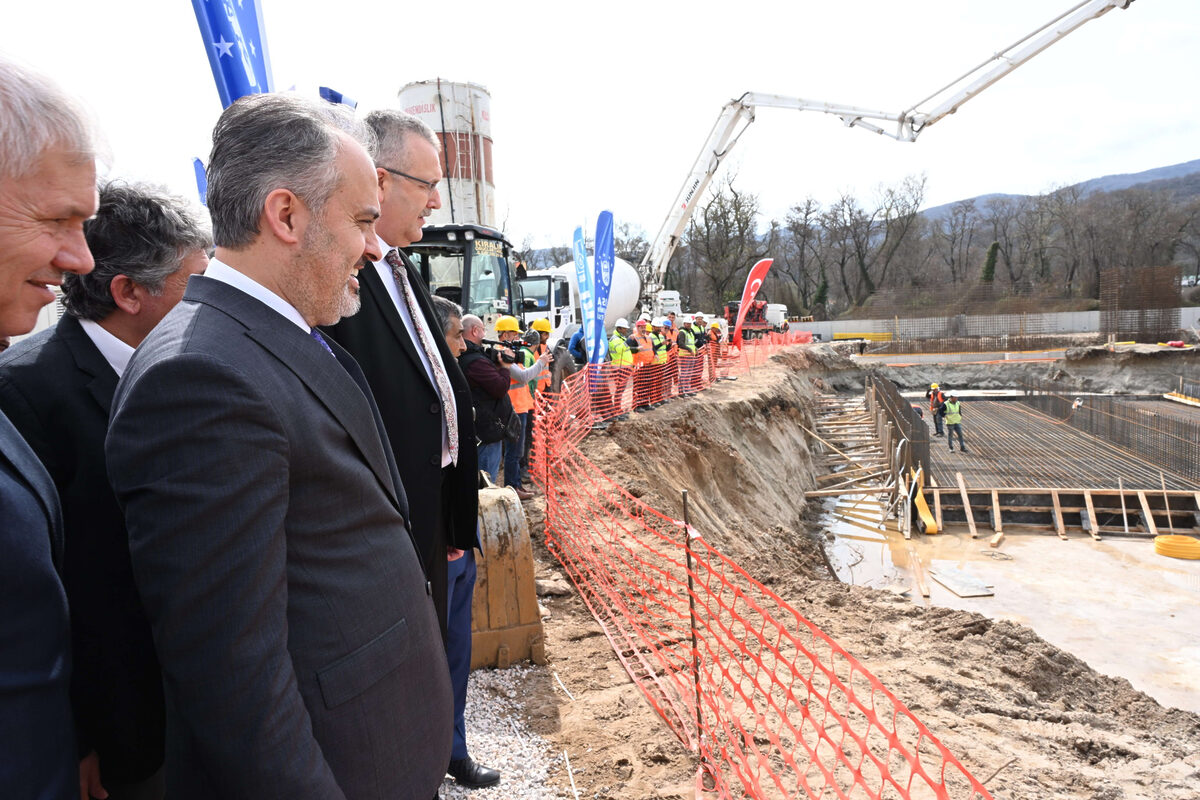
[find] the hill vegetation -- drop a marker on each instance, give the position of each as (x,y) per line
(890,255)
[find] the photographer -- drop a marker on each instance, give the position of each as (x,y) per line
(487,375)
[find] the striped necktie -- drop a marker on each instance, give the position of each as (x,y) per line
(427,343)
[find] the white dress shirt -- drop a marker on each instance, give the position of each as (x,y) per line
(220,271)
(115,352)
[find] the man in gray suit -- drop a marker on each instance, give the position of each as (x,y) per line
(267,524)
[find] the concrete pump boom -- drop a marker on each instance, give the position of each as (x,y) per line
(737,115)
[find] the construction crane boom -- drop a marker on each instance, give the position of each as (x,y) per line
(737,115)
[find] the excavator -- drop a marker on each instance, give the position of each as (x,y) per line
(906,125)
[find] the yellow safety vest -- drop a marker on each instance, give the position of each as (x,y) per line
(619,352)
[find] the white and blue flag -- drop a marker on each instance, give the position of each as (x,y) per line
(237,47)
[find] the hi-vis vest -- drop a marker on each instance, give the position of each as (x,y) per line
(645,351)
(953,413)
(543,379)
(660,347)
(518,391)
(686,341)
(619,352)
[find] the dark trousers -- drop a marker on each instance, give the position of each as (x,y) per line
(458,642)
(951,429)
(937,423)
(512,455)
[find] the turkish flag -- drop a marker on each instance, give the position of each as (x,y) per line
(753,282)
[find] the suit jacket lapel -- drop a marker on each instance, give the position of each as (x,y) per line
(391,315)
(90,361)
(312,364)
(24,461)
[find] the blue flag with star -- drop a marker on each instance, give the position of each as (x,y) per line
(237,47)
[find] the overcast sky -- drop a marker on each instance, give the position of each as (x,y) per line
(607,105)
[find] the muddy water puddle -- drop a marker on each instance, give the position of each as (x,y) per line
(1114,603)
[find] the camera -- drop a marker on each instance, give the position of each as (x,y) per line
(497,351)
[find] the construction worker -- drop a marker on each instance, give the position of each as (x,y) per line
(700,337)
(620,355)
(936,398)
(952,410)
(685,341)
(662,354)
(643,357)
(535,341)
(714,348)
(509,332)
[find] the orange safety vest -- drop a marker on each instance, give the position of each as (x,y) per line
(518,393)
(543,379)
(645,351)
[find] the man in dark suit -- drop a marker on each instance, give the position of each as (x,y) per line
(56,388)
(424,398)
(47,190)
(267,524)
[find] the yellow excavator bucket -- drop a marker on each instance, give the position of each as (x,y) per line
(505,623)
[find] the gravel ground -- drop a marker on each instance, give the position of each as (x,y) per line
(498,736)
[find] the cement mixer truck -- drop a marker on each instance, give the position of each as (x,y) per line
(553,294)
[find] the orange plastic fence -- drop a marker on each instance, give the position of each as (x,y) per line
(774,707)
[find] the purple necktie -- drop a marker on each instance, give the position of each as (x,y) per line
(324,343)
(427,343)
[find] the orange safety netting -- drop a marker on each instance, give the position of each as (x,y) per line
(774,707)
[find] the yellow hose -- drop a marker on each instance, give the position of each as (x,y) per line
(1177,546)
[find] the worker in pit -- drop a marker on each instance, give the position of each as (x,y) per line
(685,342)
(643,372)
(936,397)
(952,410)
(671,378)
(620,355)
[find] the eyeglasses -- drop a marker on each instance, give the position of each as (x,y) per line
(429,186)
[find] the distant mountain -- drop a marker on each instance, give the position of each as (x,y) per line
(1181,180)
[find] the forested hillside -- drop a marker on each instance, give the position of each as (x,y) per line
(885,253)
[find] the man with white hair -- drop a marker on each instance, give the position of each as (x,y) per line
(57,388)
(47,192)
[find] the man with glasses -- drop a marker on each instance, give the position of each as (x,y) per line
(423,397)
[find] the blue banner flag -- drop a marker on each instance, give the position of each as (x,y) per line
(237,47)
(603,261)
(587,300)
(201,180)
(336,97)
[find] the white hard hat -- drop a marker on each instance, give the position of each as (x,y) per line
(622,323)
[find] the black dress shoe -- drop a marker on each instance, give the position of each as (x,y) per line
(467,772)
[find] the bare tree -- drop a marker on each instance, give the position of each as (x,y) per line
(954,238)
(723,242)
(798,264)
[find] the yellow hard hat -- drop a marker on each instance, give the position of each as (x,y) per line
(933,386)
(715,325)
(542,325)
(507,323)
